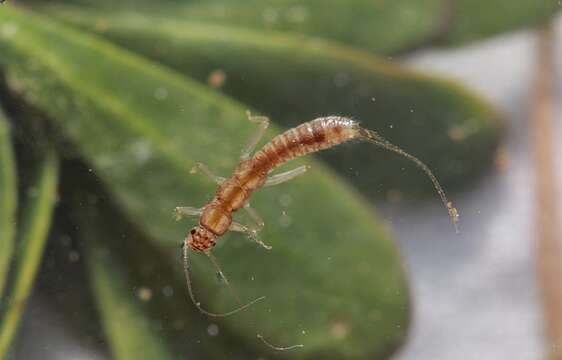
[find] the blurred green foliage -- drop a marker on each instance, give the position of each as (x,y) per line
(476,19)
(314,78)
(41,195)
(127,118)
(8,199)
(130,333)
(380,26)
(137,123)
(150,319)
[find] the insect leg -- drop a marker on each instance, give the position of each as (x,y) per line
(252,234)
(255,217)
(286,176)
(242,306)
(222,276)
(186,268)
(181,212)
(263,123)
(205,170)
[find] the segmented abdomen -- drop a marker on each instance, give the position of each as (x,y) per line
(312,136)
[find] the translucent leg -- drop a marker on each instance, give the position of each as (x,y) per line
(222,276)
(286,176)
(252,234)
(205,170)
(263,123)
(181,212)
(255,217)
(186,266)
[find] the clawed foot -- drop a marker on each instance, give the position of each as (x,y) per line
(253,235)
(177,214)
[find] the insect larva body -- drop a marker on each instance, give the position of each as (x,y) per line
(312,136)
(252,173)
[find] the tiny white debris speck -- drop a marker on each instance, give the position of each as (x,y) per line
(341,79)
(65,240)
(160,93)
(141,150)
(285,220)
(8,30)
(213,330)
(298,14)
(73,256)
(144,293)
(340,330)
(32,192)
(285,200)
(168,291)
(270,15)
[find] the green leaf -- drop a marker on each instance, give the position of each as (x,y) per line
(295,78)
(476,19)
(379,26)
(131,334)
(31,239)
(334,280)
(142,302)
(8,200)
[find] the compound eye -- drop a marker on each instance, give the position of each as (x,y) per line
(192,232)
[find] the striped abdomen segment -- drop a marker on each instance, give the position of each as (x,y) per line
(250,175)
(312,136)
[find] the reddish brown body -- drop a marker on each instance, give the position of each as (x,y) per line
(251,174)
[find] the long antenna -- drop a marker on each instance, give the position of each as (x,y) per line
(375,138)
(278,348)
(221,274)
(242,307)
(197,303)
